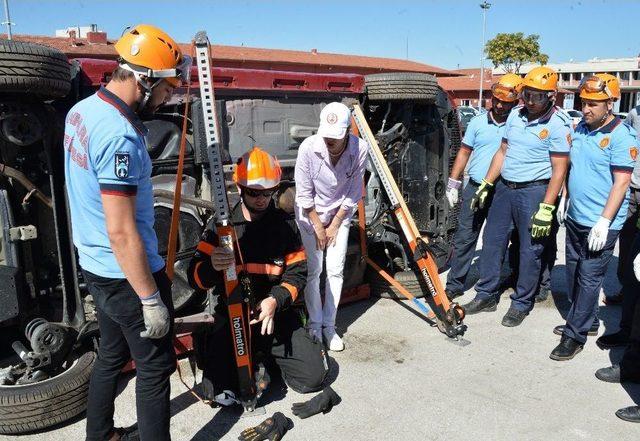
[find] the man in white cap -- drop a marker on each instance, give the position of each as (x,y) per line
(329,175)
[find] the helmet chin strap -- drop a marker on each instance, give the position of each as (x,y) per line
(148,90)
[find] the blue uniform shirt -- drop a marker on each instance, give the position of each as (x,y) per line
(483,137)
(531,143)
(105,152)
(594,157)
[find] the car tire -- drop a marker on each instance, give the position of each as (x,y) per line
(379,286)
(397,86)
(28,68)
(29,407)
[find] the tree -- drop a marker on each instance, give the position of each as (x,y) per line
(513,50)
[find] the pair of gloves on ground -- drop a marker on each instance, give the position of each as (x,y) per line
(275,427)
(542,219)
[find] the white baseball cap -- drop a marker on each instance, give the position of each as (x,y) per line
(334,121)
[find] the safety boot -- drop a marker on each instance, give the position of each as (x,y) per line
(619,339)
(593,331)
(609,374)
(630,414)
(567,349)
(513,317)
(478,305)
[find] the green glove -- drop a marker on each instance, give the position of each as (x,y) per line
(479,199)
(542,220)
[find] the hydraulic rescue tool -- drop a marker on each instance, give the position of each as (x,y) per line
(448,315)
(236,285)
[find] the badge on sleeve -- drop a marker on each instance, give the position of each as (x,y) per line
(604,142)
(122,165)
(633,152)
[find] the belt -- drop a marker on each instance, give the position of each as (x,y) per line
(516,185)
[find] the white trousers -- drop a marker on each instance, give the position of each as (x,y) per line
(320,316)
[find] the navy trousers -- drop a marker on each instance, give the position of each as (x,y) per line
(512,208)
(465,239)
(585,274)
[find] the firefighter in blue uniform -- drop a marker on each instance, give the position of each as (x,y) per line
(481,141)
(531,163)
(602,160)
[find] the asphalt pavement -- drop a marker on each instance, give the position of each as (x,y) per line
(400,379)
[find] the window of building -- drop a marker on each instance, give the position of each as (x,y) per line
(465,102)
(624,75)
(566,76)
(635,74)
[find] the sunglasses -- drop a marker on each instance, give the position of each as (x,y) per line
(257,193)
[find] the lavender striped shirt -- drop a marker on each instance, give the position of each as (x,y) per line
(325,187)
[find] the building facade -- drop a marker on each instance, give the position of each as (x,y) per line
(627,70)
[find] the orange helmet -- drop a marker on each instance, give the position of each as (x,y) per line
(147,51)
(258,170)
(507,88)
(541,78)
(600,87)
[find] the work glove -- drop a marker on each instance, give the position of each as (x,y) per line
(323,402)
(453,187)
(563,206)
(272,429)
(636,267)
(541,221)
(598,234)
(479,199)
(156,316)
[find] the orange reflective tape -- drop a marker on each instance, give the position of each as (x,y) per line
(196,276)
(205,247)
(295,257)
(292,290)
(263,268)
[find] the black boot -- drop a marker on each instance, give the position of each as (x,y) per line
(478,305)
(566,350)
(609,374)
(513,317)
(593,331)
(609,341)
(631,414)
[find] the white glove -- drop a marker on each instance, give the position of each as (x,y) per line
(452,192)
(156,316)
(561,212)
(598,234)
(636,267)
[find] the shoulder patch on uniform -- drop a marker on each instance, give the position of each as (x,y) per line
(569,139)
(604,142)
(633,152)
(544,134)
(121,165)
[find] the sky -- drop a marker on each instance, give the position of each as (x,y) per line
(443,33)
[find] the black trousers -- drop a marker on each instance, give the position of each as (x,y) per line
(120,320)
(627,234)
(630,322)
(301,359)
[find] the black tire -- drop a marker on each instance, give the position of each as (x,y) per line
(379,287)
(33,69)
(398,86)
(25,408)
